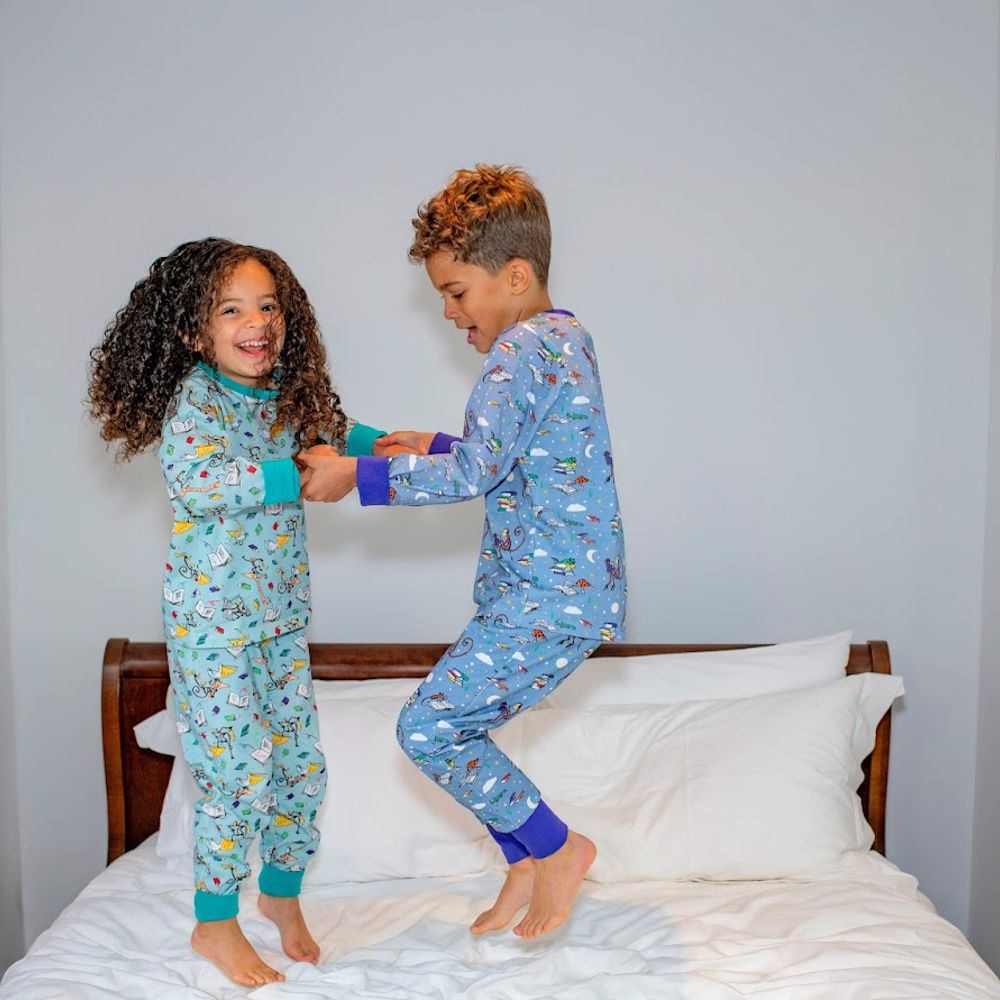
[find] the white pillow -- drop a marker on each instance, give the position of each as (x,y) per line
(752,788)
(434,848)
(159,733)
(663,678)
(381,818)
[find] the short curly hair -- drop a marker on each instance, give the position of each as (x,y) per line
(487,217)
(157,337)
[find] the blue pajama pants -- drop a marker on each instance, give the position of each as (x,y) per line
(247,720)
(488,676)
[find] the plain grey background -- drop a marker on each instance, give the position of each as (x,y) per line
(777,218)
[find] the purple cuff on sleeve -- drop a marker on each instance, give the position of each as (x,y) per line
(442,443)
(373,481)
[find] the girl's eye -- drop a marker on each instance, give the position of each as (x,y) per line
(270,307)
(228,310)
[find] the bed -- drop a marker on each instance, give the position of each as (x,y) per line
(840,924)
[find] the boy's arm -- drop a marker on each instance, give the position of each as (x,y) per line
(415,442)
(206,477)
(503,416)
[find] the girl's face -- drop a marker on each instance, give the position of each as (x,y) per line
(246,328)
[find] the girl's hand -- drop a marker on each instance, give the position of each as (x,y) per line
(316,449)
(329,477)
(320,449)
(403,443)
(305,474)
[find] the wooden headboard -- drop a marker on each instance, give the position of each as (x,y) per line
(135,681)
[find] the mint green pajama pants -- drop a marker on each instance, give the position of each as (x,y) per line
(247,722)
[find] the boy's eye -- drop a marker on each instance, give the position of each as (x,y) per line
(457,295)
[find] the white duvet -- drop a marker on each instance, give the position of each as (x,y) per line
(860,931)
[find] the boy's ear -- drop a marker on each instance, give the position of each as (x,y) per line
(520,276)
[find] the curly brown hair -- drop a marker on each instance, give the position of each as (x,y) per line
(158,336)
(487,217)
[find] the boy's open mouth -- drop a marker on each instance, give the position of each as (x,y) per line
(470,334)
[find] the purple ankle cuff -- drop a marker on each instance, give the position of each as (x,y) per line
(543,833)
(513,850)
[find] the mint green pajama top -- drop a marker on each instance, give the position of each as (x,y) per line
(237,571)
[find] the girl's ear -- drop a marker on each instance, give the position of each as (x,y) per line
(190,340)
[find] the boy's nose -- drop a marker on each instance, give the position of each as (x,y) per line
(450,312)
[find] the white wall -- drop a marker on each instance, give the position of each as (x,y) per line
(777,219)
(11,917)
(984,918)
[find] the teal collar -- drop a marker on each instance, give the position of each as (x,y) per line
(243,390)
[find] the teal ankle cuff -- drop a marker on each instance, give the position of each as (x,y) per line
(280,882)
(212,906)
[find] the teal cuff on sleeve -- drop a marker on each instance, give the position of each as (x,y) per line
(281,480)
(213,906)
(279,881)
(361,439)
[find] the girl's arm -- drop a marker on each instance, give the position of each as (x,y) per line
(204,473)
(358,439)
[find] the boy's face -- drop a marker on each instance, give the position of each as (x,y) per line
(245,328)
(476,301)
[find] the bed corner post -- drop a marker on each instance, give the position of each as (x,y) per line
(879,774)
(114,656)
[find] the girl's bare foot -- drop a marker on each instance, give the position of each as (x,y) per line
(515,893)
(223,943)
(295,937)
(557,879)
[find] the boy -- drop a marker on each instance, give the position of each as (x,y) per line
(551,579)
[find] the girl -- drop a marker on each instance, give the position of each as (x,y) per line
(217,356)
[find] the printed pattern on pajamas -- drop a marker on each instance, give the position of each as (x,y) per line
(236,601)
(536,448)
(550,585)
(247,720)
(486,678)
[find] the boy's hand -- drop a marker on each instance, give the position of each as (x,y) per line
(392,450)
(403,443)
(328,476)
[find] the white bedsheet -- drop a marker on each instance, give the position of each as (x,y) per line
(861,931)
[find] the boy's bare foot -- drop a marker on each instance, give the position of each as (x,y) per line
(515,893)
(295,937)
(557,879)
(223,943)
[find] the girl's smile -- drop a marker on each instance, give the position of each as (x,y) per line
(246,329)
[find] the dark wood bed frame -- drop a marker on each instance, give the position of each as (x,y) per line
(135,680)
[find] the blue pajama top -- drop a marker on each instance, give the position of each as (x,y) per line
(536,448)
